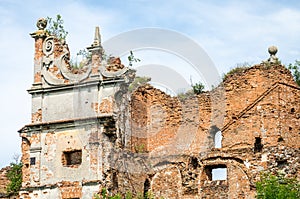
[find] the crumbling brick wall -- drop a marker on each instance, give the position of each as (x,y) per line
(3,181)
(259,129)
(155,117)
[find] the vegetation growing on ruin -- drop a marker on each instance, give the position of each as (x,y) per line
(187,94)
(277,186)
(138,81)
(56,28)
(140,148)
(85,56)
(238,69)
(198,88)
(295,70)
(132,59)
(14,175)
(104,195)
(241,68)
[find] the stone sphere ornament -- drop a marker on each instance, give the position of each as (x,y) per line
(41,23)
(272,59)
(272,50)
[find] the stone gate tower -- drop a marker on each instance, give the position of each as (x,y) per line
(72,119)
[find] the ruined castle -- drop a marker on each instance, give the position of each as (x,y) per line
(89,131)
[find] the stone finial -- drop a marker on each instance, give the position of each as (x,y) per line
(41,23)
(97,38)
(96,48)
(272,50)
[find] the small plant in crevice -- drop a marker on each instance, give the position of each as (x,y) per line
(140,148)
(239,69)
(56,27)
(198,88)
(128,195)
(132,59)
(86,57)
(138,81)
(185,95)
(268,65)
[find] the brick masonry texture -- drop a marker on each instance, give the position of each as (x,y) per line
(3,181)
(260,104)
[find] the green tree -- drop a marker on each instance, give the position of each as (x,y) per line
(277,186)
(14,175)
(295,70)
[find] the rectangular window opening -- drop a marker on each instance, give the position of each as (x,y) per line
(70,158)
(32,161)
(258,145)
(219,174)
(281,163)
(216,172)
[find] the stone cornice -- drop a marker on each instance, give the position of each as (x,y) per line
(38,89)
(62,124)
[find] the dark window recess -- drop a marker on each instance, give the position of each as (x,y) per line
(281,163)
(32,161)
(115,180)
(194,162)
(280,139)
(292,110)
(72,157)
(258,145)
(146,188)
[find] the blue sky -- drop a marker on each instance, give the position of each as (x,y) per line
(230,32)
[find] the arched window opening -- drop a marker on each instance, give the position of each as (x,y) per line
(215,137)
(218,139)
(146,188)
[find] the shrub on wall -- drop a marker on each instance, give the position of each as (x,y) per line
(277,186)
(15,177)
